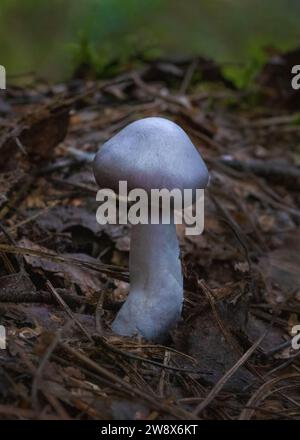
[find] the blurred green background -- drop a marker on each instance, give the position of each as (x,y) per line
(52,37)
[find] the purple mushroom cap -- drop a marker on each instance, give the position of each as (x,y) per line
(151,153)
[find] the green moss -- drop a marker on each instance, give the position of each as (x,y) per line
(50,37)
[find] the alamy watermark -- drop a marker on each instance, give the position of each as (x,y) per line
(296,79)
(2,328)
(163,206)
(2,338)
(296,337)
(2,78)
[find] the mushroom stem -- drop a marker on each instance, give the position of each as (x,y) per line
(156,285)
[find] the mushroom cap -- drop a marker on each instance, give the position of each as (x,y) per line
(151,153)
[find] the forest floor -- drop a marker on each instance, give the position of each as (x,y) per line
(63,277)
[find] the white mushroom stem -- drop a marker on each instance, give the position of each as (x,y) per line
(156,285)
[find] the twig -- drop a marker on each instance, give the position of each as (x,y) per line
(220,384)
(258,396)
(125,386)
(110,270)
(188,76)
(149,361)
(286,175)
(67,309)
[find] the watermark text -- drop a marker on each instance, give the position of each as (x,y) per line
(2,338)
(162,206)
(2,78)
(296,78)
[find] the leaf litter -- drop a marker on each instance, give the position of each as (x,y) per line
(63,277)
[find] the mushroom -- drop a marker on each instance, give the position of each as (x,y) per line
(151,153)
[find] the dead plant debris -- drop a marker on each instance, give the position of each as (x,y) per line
(63,277)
